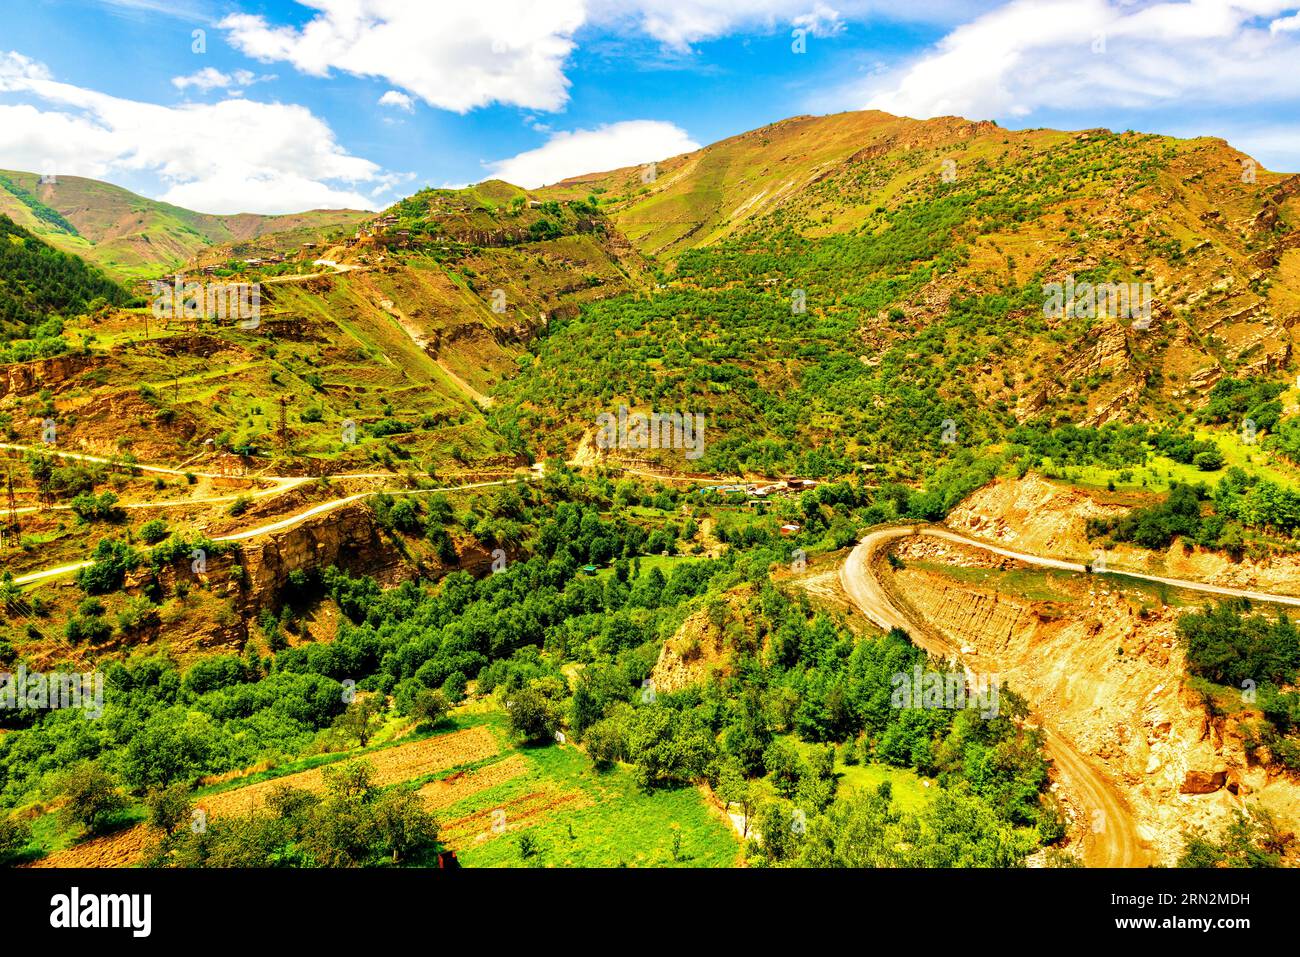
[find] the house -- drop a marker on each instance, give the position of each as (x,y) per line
(790,529)
(589,569)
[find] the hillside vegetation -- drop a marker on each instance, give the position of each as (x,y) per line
(885,305)
(39,286)
(129,236)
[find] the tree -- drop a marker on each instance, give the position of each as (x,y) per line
(776,824)
(92,794)
(734,789)
(430,706)
(402,825)
(531,716)
(785,766)
(169,808)
(362,718)
(343,827)
(14,836)
(604,741)
(669,747)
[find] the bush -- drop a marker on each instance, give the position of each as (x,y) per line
(14,836)
(153,531)
(1210,461)
(92,508)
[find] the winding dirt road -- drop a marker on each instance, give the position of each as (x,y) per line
(1112,838)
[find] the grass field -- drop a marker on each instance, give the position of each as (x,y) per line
(581,817)
(665,564)
(910,793)
(909,790)
(1160,471)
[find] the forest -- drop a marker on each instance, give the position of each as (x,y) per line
(39,286)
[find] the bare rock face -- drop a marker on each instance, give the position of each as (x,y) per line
(25,378)
(1203,782)
(346,537)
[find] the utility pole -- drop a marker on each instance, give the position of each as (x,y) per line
(284,420)
(11,523)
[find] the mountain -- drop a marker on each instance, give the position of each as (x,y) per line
(402,327)
(905,309)
(131,237)
(836,289)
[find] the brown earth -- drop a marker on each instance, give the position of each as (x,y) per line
(463,784)
(1050,519)
(487,824)
(391,766)
(1111,675)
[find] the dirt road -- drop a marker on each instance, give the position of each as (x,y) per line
(281,524)
(1112,838)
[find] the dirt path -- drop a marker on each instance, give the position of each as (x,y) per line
(1112,839)
(280,525)
(416,335)
(1042,562)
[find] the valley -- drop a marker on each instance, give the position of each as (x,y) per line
(364,563)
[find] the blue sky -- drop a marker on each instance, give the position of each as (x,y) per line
(284,105)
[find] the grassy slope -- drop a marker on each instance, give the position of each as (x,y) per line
(1032,206)
(132,237)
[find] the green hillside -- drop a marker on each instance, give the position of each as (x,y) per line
(835,289)
(40,284)
(131,237)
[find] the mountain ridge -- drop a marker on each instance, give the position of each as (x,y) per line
(132,237)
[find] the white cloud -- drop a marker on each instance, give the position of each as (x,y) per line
(180,9)
(615,145)
(821,21)
(1067,54)
(210,78)
(462,56)
(1285,24)
(398,99)
(232,156)
(456,56)
(680,23)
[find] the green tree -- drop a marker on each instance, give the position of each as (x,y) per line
(362,718)
(531,716)
(92,795)
(402,825)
